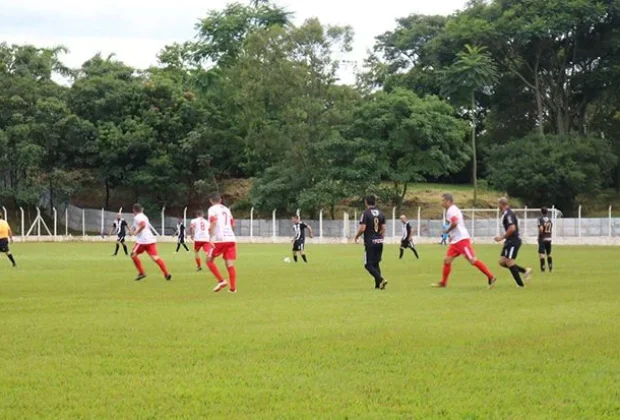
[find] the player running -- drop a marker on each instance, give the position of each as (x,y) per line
(145,242)
(6,237)
(460,243)
(199,233)
(545,233)
(223,242)
(299,240)
(407,238)
(120,228)
(372,226)
(512,243)
(180,234)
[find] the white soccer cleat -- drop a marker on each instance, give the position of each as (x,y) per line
(528,275)
(220,286)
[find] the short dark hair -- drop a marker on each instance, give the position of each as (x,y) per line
(137,207)
(448,197)
(200,213)
(216,196)
(370,200)
(544,211)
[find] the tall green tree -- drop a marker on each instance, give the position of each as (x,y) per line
(473,71)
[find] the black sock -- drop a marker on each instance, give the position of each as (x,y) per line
(11,258)
(117,247)
(542,264)
(178,247)
(516,274)
(521,269)
(550,262)
(186,248)
(375,271)
(401,253)
(125,249)
(415,251)
(304,257)
(295,258)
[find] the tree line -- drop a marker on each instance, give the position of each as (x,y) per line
(523,94)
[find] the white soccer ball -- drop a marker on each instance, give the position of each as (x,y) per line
(287,260)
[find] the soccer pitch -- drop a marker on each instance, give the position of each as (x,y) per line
(80,339)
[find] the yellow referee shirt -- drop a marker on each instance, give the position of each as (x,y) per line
(4,229)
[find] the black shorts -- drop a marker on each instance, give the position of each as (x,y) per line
(299,245)
(120,238)
(4,245)
(511,249)
(373,254)
(544,247)
(406,243)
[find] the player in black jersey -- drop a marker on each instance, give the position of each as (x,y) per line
(406,240)
(120,228)
(512,243)
(545,233)
(180,234)
(372,226)
(299,238)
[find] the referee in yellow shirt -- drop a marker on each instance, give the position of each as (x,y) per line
(5,236)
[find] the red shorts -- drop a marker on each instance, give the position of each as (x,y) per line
(205,246)
(150,249)
(462,247)
(226,249)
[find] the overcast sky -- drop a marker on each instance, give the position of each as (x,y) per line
(135,30)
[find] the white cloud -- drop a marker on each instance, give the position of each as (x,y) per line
(136,30)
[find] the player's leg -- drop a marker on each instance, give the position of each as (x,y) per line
(303,252)
(151,249)
(230,255)
(379,258)
(135,252)
(184,243)
(118,246)
(178,244)
(413,248)
(214,252)
(468,251)
(452,253)
(370,264)
(197,247)
(549,258)
(401,250)
(541,255)
(508,260)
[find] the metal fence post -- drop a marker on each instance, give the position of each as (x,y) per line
(420,220)
(497,222)
(525,223)
(473,223)
(345,224)
(185,217)
(23,221)
(5,214)
(66,221)
(252,223)
(554,217)
(163,221)
(579,222)
(38,224)
(321,225)
(298,213)
(55,223)
(610,221)
(393,222)
(274,224)
(102,221)
(83,223)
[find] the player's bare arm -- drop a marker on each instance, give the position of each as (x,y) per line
(139,229)
(10,235)
(212,222)
(511,230)
(360,232)
(453,225)
(383,231)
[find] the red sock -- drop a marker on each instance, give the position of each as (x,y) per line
(198,264)
(446,273)
(480,266)
(162,266)
(138,264)
(215,271)
(232,272)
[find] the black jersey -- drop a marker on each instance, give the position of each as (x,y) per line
(546,232)
(120,227)
(299,230)
(374,220)
(509,219)
(406,230)
(181,230)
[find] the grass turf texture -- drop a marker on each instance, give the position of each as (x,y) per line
(80,339)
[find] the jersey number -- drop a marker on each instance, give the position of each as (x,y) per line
(376,221)
(202,226)
(225,215)
(548,227)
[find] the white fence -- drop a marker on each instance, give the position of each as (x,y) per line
(73,223)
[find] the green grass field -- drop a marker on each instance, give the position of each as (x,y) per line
(80,339)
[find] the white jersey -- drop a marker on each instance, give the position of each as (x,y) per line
(221,217)
(146,236)
(200,229)
(460,232)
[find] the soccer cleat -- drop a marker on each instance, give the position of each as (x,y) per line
(492,282)
(520,287)
(220,286)
(232,291)
(168,277)
(140,277)
(438,285)
(383,284)
(198,268)
(528,274)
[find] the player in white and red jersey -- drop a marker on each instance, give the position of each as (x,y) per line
(460,243)
(145,242)
(223,242)
(199,232)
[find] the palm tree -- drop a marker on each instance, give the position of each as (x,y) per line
(473,71)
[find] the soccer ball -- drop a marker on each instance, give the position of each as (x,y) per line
(287,260)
